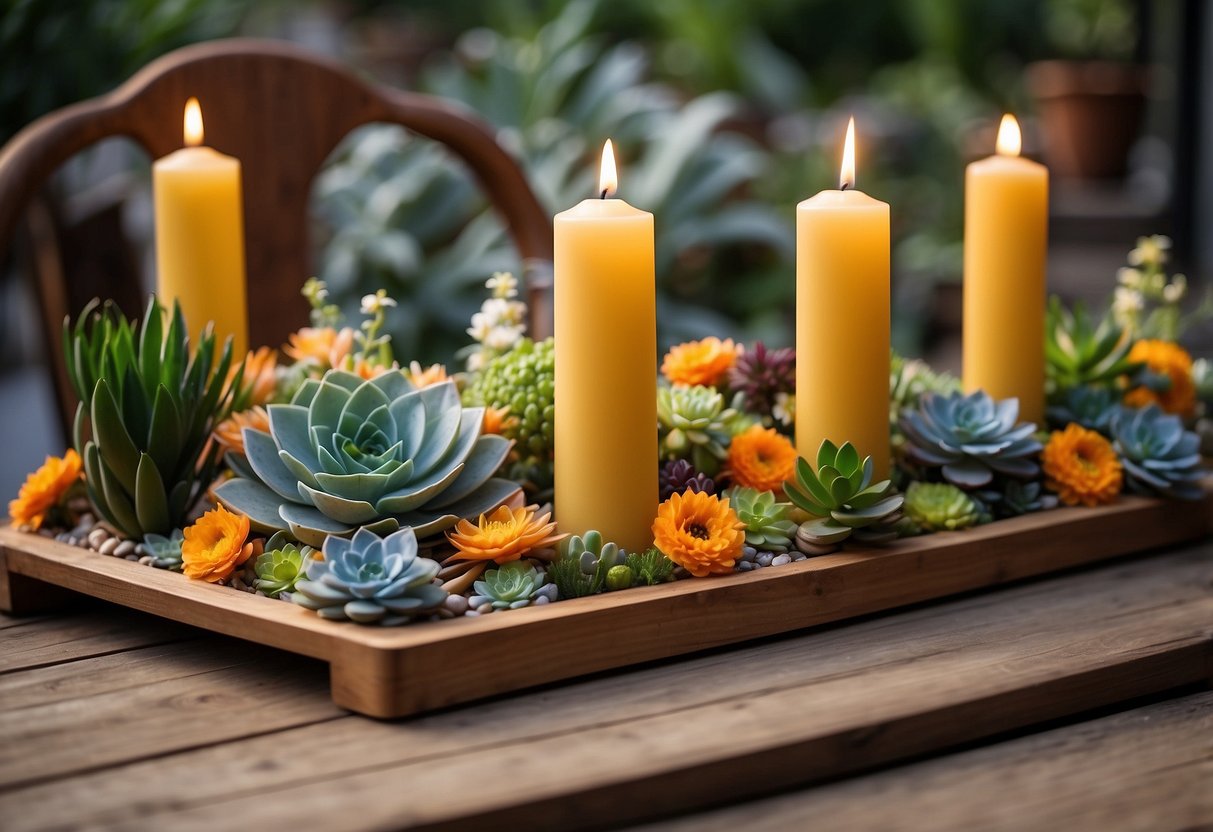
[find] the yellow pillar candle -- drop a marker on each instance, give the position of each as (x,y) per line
(1006,232)
(842,320)
(200,236)
(606,368)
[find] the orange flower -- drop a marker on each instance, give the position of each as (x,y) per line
(260,377)
(215,545)
(504,535)
(704,362)
(1171,360)
(426,376)
(1082,467)
(324,345)
(368,370)
(43,489)
(497,420)
(699,532)
(230,432)
(761,458)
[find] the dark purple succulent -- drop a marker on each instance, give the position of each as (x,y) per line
(677,475)
(761,374)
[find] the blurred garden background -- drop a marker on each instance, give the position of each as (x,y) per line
(725,114)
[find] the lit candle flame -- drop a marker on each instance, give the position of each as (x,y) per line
(846,178)
(193,123)
(608,179)
(1009,140)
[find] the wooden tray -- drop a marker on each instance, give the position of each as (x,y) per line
(390,672)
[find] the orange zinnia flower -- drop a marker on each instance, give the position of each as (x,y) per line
(215,545)
(504,535)
(260,378)
(704,362)
(230,432)
(699,532)
(326,346)
(426,376)
(1171,360)
(1082,467)
(761,458)
(44,488)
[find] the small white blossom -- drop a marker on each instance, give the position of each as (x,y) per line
(1127,302)
(503,285)
(1129,277)
(1150,250)
(503,337)
(480,328)
(1174,291)
(784,408)
(373,304)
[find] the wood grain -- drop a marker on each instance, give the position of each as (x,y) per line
(662,739)
(74,637)
(393,672)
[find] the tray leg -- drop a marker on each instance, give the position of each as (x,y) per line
(23,595)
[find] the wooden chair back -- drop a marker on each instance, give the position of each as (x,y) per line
(281,111)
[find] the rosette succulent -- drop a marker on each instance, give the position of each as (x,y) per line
(761,374)
(694,424)
(164,552)
(370,580)
(1079,352)
(970,438)
(522,379)
(281,565)
(768,524)
(935,507)
(1090,407)
(349,453)
(843,500)
(1158,455)
(1014,498)
(512,586)
(677,475)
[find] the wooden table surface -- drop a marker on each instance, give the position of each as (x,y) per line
(1075,702)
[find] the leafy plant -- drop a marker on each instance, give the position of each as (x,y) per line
(1079,352)
(650,567)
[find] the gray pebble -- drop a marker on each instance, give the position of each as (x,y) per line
(146,560)
(765,559)
(744,566)
(471,614)
(781,560)
(457,604)
(110,546)
(541,600)
(125,548)
(131,557)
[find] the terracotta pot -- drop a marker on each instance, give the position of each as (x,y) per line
(1090,114)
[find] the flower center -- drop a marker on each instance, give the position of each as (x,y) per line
(698,531)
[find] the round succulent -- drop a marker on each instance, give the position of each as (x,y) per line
(370,580)
(761,374)
(1158,455)
(970,438)
(281,565)
(843,500)
(935,507)
(1089,406)
(165,552)
(694,424)
(677,475)
(1011,498)
(511,586)
(584,564)
(768,524)
(348,453)
(523,380)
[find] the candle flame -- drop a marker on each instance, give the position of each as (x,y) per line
(193,123)
(608,179)
(846,177)
(1009,140)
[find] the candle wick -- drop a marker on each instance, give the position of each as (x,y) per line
(604,193)
(844,186)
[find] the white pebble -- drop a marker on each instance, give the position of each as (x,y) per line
(109,547)
(457,604)
(125,548)
(780,560)
(96,537)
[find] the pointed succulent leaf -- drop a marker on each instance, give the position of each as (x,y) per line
(119,452)
(151,503)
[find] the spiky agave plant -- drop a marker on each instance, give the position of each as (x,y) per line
(148,404)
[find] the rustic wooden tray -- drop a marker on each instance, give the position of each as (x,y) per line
(391,672)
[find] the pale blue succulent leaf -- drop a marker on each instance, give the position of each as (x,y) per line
(254,500)
(262,454)
(288,426)
(350,512)
(487,456)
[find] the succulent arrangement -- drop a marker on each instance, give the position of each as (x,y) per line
(768,524)
(762,375)
(583,565)
(1159,456)
(1090,406)
(695,425)
(1079,352)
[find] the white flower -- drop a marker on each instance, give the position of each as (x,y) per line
(503,337)
(1174,291)
(503,285)
(784,408)
(1129,277)
(1127,302)
(475,361)
(480,328)
(1150,250)
(373,304)
(504,312)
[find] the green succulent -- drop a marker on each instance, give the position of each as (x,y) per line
(583,565)
(281,565)
(509,587)
(768,524)
(147,407)
(370,580)
(523,380)
(694,424)
(1159,456)
(1011,498)
(650,567)
(165,552)
(1079,352)
(620,577)
(935,507)
(909,380)
(1091,407)
(843,500)
(348,453)
(969,439)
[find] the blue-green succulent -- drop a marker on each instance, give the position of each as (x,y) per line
(348,453)
(1159,456)
(768,523)
(511,586)
(1089,406)
(164,552)
(371,580)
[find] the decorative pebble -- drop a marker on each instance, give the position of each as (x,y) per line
(541,600)
(131,557)
(471,614)
(456,604)
(110,546)
(146,560)
(780,560)
(96,537)
(125,547)
(765,559)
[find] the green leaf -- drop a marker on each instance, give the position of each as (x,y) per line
(117,450)
(826,454)
(164,438)
(151,342)
(136,408)
(807,479)
(125,518)
(847,461)
(151,503)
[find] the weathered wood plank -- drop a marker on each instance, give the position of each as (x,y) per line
(1149,768)
(90,632)
(678,735)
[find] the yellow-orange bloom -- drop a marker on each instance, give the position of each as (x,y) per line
(215,545)
(699,532)
(44,488)
(230,432)
(326,346)
(426,376)
(1171,360)
(504,535)
(260,377)
(497,420)
(704,362)
(368,370)
(761,458)
(1082,467)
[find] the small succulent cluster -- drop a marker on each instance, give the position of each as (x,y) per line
(511,586)
(677,475)
(163,552)
(522,379)
(768,524)
(1159,456)
(281,565)
(371,580)
(843,501)
(937,507)
(584,565)
(1090,406)
(694,424)
(763,375)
